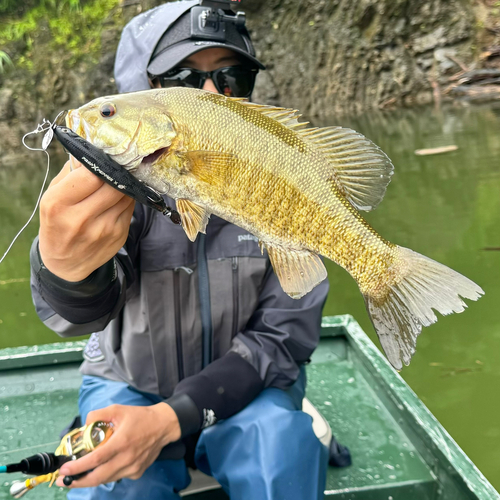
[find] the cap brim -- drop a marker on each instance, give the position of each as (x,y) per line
(172,56)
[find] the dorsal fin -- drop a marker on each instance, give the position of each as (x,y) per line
(287,116)
(361,170)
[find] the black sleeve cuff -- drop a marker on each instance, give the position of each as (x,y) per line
(219,391)
(81,301)
(187,413)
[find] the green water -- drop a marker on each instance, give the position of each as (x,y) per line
(19,189)
(445,206)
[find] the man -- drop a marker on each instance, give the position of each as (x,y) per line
(187,337)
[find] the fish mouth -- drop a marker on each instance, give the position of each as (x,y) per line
(142,161)
(151,158)
(73,121)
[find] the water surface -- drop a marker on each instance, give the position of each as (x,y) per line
(445,206)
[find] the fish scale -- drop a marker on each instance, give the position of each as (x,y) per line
(297,189)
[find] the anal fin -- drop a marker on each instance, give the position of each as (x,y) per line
(194,217)
(298,271)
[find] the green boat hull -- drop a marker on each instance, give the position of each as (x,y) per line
(399,450)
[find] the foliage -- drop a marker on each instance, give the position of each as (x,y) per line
(74,27)
(8,5)
(5,61)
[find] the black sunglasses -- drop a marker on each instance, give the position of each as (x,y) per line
(232,81)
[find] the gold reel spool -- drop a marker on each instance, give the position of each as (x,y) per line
(79,442)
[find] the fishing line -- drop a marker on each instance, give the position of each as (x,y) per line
(46,127)
(18,450)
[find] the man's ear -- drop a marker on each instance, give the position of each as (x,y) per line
(154,84)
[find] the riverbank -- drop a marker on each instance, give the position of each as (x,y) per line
(323,57)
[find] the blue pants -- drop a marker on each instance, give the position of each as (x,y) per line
(267,451)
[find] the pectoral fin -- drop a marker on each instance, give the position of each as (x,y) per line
(211,166)
(194,218)
(298,271)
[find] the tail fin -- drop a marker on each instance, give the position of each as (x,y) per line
(423,285)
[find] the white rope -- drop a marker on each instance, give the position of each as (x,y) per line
(46,127)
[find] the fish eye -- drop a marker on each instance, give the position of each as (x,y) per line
(107,110)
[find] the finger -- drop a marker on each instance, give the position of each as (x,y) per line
(61,175)
(124,206)
(100,456)
(76,186)
(101,200)
(113,225)
(74,163)
(113,470)
(126,216)
(108,414)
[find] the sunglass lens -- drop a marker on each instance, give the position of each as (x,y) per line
(236,81)
(183,78)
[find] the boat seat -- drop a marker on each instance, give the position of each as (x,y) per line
(201,482)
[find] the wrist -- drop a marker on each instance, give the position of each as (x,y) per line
(59,268)
(94,285)
(170,429)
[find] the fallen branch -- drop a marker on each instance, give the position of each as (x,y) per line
(435,151)
(14,280)
(477,93)
(458,62)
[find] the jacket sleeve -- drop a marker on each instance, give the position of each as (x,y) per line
(83,307)
(281,335)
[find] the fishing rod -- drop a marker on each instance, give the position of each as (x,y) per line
(75,444)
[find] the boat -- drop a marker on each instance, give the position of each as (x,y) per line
(399,450)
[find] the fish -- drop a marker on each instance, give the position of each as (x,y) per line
(298,189)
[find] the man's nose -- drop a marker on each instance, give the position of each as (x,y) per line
(209,85)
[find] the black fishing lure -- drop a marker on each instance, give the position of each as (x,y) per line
(100,164)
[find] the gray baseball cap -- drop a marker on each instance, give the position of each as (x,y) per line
(154,42)
(178,43)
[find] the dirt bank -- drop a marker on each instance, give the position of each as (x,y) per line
(324,57)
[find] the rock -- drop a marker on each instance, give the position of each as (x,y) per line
(429,41)
(442,56)
(10,137)
(6,104)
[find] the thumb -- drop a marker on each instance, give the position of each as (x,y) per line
(109,414)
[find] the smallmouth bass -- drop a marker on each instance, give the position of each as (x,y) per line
(297,189)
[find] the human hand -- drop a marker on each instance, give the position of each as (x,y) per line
(83,223)
(140,433)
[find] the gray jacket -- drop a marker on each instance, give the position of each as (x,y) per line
(146,306)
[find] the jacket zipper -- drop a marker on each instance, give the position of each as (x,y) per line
(205,308)
(235,296)
(177,315)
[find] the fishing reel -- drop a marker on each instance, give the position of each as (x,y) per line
(75,444)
